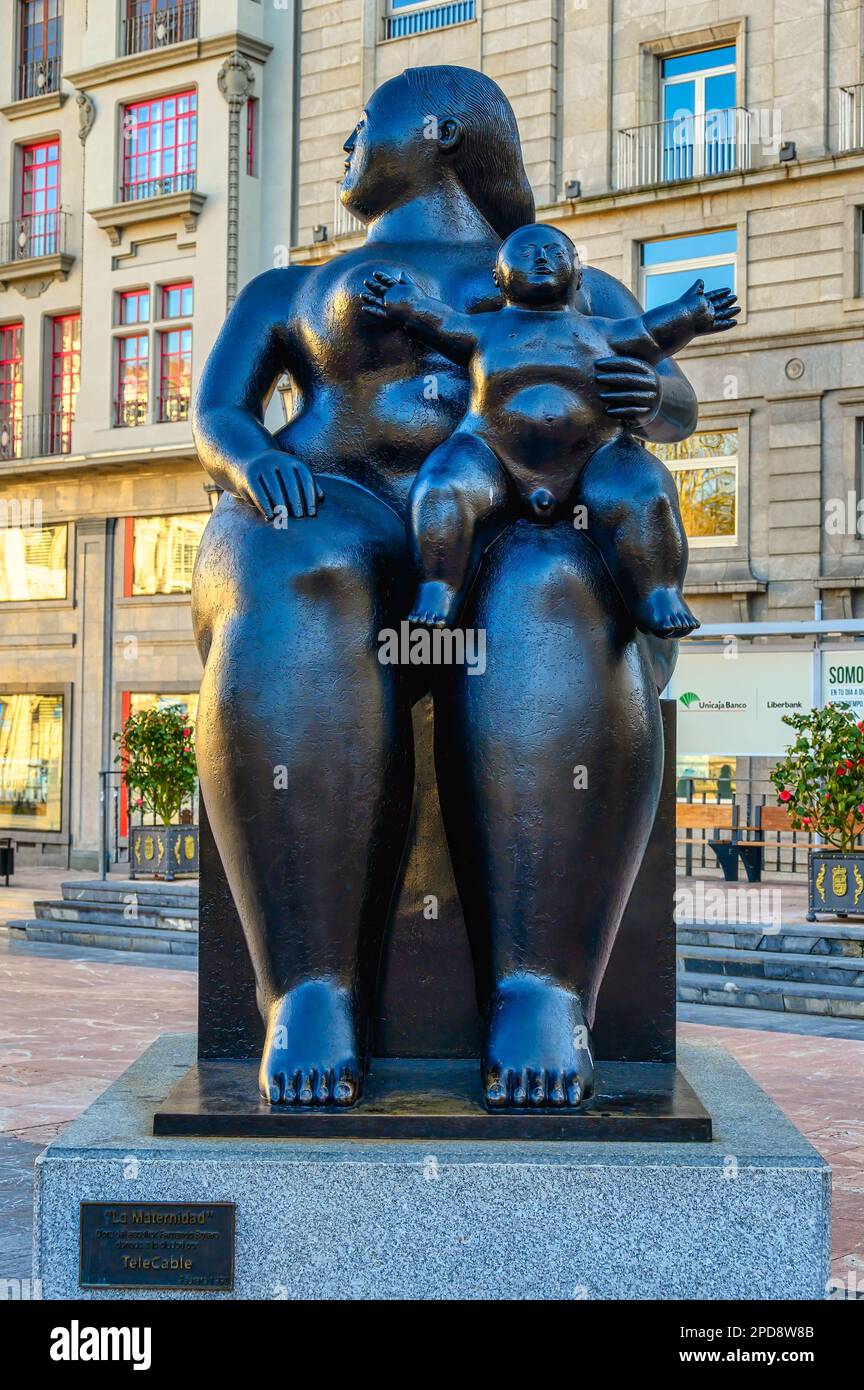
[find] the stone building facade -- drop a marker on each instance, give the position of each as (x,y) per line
(671,141)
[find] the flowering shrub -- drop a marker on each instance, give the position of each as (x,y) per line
(158,760)
(821,779)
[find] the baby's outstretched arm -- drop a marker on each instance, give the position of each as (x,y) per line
(400,299)
(664,330)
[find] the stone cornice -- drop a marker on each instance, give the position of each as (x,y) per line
(171,56)
(32,275)
(116,218)
(33,106)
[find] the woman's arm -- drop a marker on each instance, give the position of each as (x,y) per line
(657,402)
(228,415)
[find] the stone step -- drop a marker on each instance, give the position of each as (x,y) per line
(817,938)
(790,996)
(136,913)
(106,937)
(772,965)
(177,893)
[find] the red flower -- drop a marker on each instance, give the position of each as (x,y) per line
(840,770)
(849,762)
(805,820)
(785,795)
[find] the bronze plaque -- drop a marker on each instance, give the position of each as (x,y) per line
(157,1245)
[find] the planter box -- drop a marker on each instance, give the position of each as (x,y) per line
(836,882)
(163,850)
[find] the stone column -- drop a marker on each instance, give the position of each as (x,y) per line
(91,748)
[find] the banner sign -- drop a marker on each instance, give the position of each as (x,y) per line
(843,679)
(732,703)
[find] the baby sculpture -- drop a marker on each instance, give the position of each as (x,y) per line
(536,422)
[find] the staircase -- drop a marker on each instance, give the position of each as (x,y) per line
(812,968)
(117,915)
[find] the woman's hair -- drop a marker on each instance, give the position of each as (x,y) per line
(488,159)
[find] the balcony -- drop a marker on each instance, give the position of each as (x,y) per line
(687,147)
(851,132)
(344,222)
(406,23)
(159,29)
(172,408)
(33,252)
(37,79)
(172,197)
(35,436)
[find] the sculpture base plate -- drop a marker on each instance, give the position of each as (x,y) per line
(423,1098)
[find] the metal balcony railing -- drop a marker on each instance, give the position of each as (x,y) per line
(344,222)
(134,190)
(39,234)
(130,413)
(173,407)
(399,24)
(37,79)
(33,436)
(851,132)
(159,28)
(686,147)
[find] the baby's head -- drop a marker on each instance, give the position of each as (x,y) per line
(538,265)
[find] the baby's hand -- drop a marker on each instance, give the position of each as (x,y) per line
(390,297)
(726,310)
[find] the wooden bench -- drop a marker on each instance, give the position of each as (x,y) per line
(701,815)
(752,852)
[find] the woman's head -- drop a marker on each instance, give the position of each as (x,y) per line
(433,123)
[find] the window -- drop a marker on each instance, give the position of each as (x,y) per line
(670,266)
(159,146)
(40,31)
(31,761)
(705,469)
(65,380)
(32,563)
(133,306)
(702,127)
(133,373)
(252,137)
(135,702)
(160,553)
(11,390)
(156,23)
(175,380)
(177,301)
(420,18)
(39,202)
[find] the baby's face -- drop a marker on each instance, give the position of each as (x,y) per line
(536,265)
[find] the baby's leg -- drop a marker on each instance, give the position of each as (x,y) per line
(635,521)
(457,495)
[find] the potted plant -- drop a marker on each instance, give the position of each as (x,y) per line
(820,782)
(158,764)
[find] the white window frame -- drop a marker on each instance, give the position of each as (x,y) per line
(698,79)
(718,461)
(694,264)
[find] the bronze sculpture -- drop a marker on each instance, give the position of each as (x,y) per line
(535,417)
(304,737)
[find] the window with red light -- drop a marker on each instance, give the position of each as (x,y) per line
(252,137)
(39,199)
(177,301)
(175,390)
(159,146)
(11,390)
(65,380)
(133,380)
(133,306)
(40,40)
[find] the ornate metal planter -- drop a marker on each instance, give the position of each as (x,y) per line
(163,850)
(836,882)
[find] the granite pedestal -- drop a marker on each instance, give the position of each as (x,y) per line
(746,1216)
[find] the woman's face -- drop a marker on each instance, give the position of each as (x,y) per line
(389,152)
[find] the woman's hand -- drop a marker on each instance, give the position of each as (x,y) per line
(629,389)
(279,484)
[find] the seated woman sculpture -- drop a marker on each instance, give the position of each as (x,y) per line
(304,738)
(535,420)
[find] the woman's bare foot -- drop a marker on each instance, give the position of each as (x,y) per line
(538,1047)
(311,1053)
(435,605)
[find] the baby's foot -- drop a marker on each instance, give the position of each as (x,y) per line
(435,605)
(664,613)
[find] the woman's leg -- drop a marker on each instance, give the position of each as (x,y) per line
(306,765)
(549,767)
